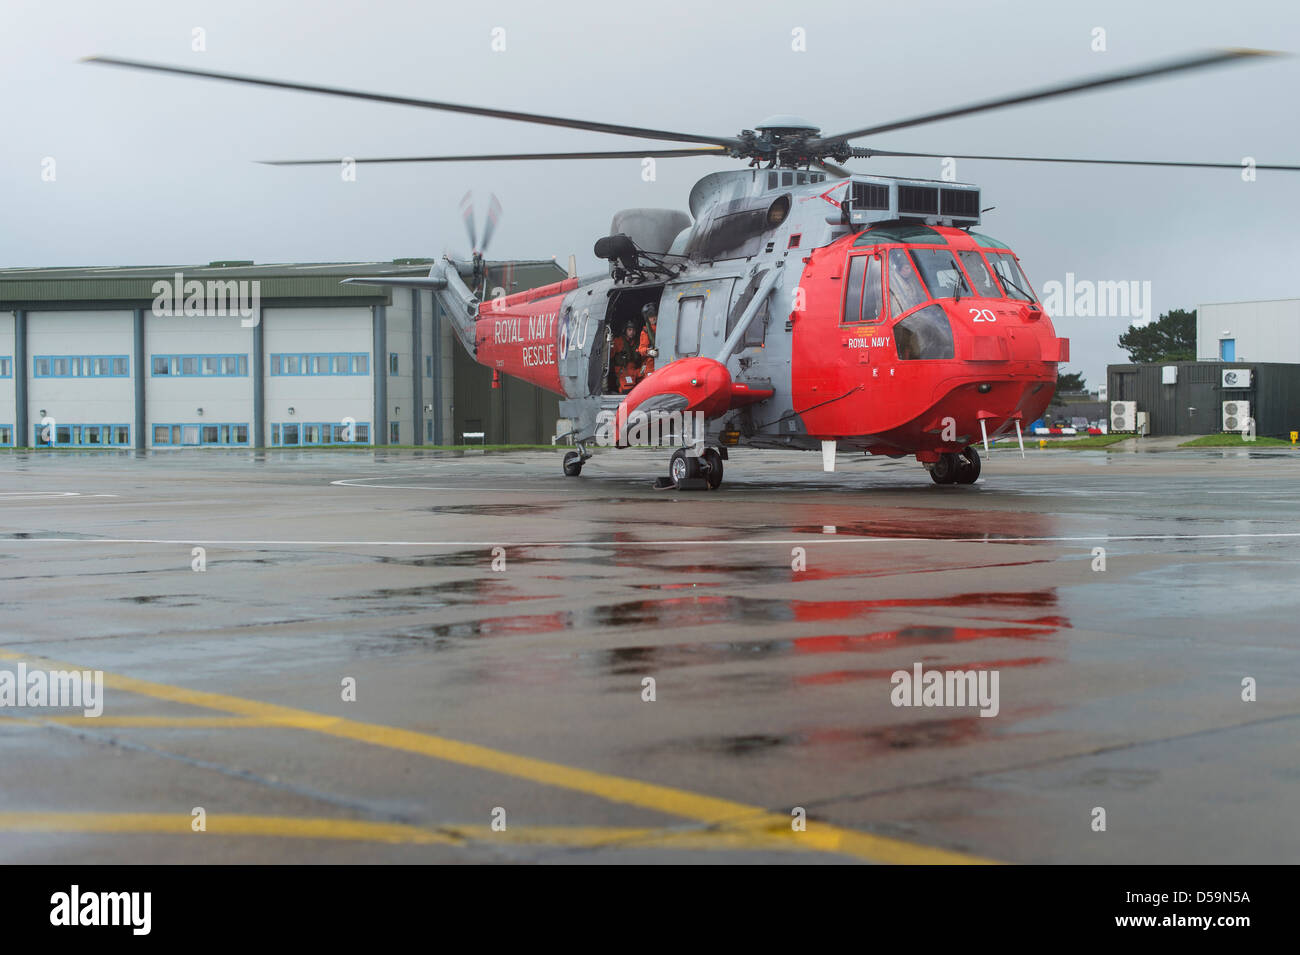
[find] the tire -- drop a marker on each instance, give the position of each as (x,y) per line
(572,464)
(712,468)
(682,468)
(969,470)
(945,470)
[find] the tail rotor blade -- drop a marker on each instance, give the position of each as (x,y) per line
(489,227)
(467,214)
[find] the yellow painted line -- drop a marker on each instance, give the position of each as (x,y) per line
(219,824)
(150,722)
(289,827)
(711,810)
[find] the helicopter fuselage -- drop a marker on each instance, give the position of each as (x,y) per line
(895,334)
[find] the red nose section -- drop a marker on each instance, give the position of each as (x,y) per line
(687,386)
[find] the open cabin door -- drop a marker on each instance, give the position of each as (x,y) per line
(583,344)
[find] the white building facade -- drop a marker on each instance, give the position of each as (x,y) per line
(1249,331)
(89,359)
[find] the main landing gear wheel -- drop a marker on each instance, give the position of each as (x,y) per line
(712,461)
(683,468)
(968,471)
(946,469)
(572,464)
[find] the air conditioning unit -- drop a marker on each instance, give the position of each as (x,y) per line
(1236,415)
(1236,378)
(1123,415)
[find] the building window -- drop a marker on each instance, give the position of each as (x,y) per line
(6,367)
(392,363)
(6,434)
(318,433)
(81,436)
(327,363)
(80,366)
(428,366)
(199,366)
(394,432)
(200,435)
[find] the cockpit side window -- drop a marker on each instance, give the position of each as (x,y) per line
(905,288)
(863,290)
(1013,280)
(980,276)
(926,334)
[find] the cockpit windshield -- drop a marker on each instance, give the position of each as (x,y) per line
(940,272)
(1013,280)
(979,274)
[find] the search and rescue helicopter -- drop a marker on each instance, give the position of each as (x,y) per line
(799,305)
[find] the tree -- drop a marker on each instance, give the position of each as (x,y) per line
(1071,384)
(1171,337)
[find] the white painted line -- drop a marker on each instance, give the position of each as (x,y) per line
(12,495)
(759,542)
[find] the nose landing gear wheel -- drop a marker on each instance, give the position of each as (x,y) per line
(683,468)
(572,464)
(712,461)
(969,470)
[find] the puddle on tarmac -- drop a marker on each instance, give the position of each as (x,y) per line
(493,510)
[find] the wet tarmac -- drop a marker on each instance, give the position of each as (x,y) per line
(502,627)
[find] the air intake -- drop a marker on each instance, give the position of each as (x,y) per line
(870,195)
(918,201)
(959,203)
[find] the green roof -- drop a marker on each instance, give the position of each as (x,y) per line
(132,286)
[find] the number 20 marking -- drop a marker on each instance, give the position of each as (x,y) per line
(982,315)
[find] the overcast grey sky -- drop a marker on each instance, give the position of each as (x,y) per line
(158,170)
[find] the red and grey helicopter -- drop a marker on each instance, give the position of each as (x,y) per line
(799,305)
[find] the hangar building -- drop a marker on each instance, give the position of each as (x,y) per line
(250,356)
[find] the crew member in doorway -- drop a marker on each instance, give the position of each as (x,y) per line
(649,352)
(627,360)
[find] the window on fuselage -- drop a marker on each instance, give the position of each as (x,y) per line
(978,272)
(905,288)
(690,310)
(942,276)
(1011,277)
(863,291)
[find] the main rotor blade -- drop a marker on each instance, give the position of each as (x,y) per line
(838,172)
(614,128)
(867,153)
(498,157)
(1198,62)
